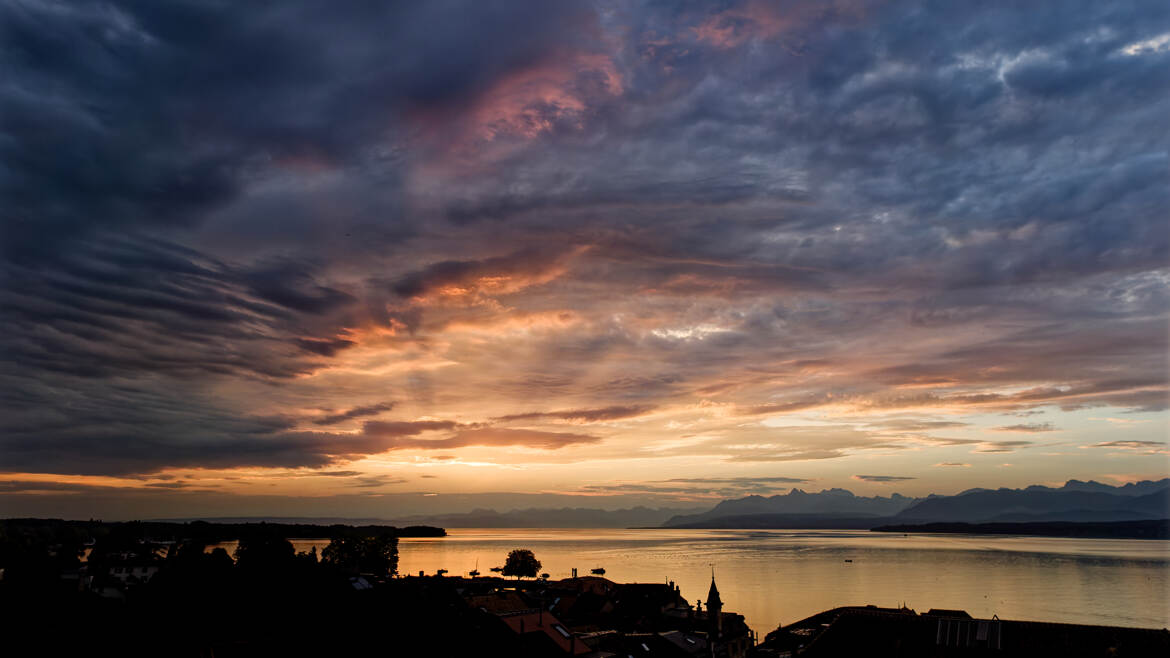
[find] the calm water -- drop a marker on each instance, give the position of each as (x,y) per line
(780,576)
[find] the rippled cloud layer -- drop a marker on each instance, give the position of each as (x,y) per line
(583,249)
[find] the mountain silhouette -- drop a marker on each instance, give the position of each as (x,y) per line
(1075,501)
(1040,504)
(828,502)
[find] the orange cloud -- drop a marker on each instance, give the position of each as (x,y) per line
(496,436)
(498,275)
(616,412)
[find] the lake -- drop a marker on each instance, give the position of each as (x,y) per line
(780,576)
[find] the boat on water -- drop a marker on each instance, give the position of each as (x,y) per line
(474,573)
(599,571)
(441,572)
(497,569)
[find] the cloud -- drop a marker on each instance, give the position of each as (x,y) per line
(38,487)
(882,479)
(490,276)
(168,485)
(132,307)
(405,428)
(43,488)
(1129,444)
(1141,447)
(993,447)
(1028,428)
(782,407)
(375,481)
(616,412)
(741,480)
(702,215)
(953,464)
(912,425)
(713,487)
(490,436)
(355,412)
(130,446)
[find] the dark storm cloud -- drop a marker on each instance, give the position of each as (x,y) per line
(115,442)
(145,113)
(736,203)
(123,306)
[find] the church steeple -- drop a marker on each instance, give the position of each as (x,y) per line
(714,608)
(713,600)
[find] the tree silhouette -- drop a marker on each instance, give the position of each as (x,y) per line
(377,555)
(521,562)
(264,552)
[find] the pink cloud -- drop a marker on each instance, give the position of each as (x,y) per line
(733,27)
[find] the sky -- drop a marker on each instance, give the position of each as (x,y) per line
(377,259)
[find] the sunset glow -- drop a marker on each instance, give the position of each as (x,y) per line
(377,262)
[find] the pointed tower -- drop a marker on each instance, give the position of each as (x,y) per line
(714,609)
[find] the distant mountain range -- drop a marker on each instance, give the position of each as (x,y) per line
(1076,501)
(826,503)
(565,517)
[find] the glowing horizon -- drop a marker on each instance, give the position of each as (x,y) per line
(545,253)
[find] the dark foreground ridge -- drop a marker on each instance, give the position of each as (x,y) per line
(1153,529)
(138,596)
(903,633)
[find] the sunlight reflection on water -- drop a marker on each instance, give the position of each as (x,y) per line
(781,576)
